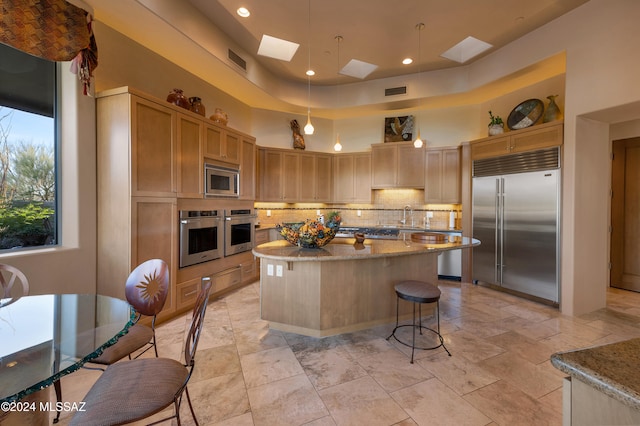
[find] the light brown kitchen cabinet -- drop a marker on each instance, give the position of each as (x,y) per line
(248,169)
(530,139)
(190,161)
(151,132)
(137,199)
(290,177)
(222,144)
(315,177)
(442,176)
(187,293)
(397,165)
(294,176)
(352,178)
(271,174)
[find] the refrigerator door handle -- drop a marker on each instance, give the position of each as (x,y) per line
(500,230)
(497,273)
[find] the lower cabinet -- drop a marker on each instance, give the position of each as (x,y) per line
(187,292)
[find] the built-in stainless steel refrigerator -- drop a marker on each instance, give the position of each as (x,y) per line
(516,217)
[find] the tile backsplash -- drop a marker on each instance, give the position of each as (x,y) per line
(387,208)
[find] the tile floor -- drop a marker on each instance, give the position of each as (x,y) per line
(499,373)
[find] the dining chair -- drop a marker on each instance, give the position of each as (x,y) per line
(146,289)
(132,390)
(10,276)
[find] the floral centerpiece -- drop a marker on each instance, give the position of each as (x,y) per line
(311,233)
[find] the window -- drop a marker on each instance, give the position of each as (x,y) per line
(28,196)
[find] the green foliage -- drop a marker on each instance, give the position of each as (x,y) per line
(495,119)
(25,226)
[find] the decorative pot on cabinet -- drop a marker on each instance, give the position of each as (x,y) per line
(176,97)
(197,106)
(552,113)
(496,129)
(219,116)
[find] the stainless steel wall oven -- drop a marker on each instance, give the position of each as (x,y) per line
(201,236)
(239,231)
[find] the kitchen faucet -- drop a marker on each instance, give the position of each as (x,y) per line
(404,215)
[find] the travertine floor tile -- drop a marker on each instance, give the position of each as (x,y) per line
(432,403)
(291,401)
(269,366)
(457,372)
(362,402)
(507,405)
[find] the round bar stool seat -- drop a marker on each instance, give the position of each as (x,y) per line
(418,292)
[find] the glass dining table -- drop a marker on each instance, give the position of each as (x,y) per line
(45,337)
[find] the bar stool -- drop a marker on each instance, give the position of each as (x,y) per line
(418,292)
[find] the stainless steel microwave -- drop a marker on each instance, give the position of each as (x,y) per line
(221,181)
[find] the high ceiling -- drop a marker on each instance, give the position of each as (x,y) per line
(379,32)
(199,34)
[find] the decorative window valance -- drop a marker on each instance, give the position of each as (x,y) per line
(51,29)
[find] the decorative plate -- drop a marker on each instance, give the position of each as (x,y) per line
(526,114)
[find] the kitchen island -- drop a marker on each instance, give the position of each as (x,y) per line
(604,384)
(344,286)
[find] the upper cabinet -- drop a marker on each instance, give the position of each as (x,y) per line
(352,178)
(222,144)
(315,177)
(294,176)
(190,164)
(248,168)
(397,165)
(442,176)
(532,138)
(151,132)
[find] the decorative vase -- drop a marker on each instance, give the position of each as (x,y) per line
(197,106)
(219,116)
(552,113)
(176,97)
(496,129)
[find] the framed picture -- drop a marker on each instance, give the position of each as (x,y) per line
(398,129)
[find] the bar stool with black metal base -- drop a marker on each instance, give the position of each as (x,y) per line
(418,292)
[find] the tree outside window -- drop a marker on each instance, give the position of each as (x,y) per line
(27,180)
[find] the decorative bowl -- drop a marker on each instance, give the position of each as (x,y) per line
(310,233)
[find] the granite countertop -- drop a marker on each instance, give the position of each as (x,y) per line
(347,249)
(612,369)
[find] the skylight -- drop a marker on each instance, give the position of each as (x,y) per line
(276,48)
(358,69)
(466,49)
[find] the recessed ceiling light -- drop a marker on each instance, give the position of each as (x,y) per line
(310,73)
(466,49)
(358,69)
(243,11)
(407,61)
(277,48)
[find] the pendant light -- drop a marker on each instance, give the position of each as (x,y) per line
(418,142)
(308,128)
(338,145)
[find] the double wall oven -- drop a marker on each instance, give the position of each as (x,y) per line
(211,234)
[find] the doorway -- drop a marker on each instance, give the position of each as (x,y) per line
(625,215)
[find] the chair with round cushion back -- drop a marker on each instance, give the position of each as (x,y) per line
(146,290)
(13,283)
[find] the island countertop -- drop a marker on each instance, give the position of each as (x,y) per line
(611,369)
(348,249)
